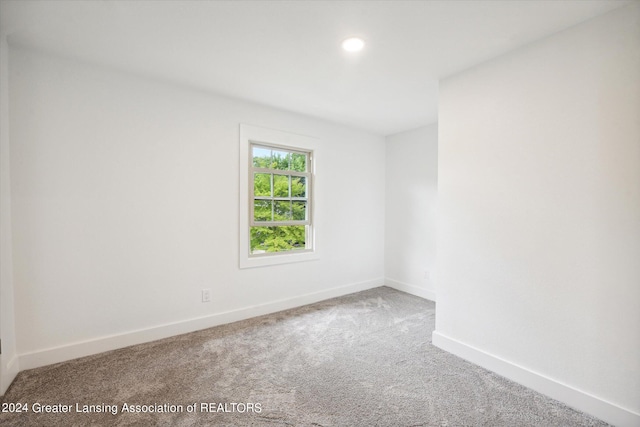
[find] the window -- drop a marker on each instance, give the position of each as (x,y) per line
(276,203)
(280,219)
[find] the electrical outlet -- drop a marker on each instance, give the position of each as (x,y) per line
(426,274)
(206,295)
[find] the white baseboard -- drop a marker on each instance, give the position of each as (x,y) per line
(8,374)
(411,289)
(566,394)
(112,342)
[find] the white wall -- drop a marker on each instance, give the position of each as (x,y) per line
(8,359)
(410,222)
(539,226)
(125,205)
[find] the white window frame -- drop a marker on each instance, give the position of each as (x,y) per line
(308,184)
(250,135)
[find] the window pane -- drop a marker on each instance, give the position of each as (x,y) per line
(262,184)
(262,210)
(282,210)
(280,160)
(261,157)
(298,186)
(280,185)
(299,211)
(278,239)
(299,162)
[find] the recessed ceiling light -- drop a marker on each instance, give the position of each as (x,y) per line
(353,44)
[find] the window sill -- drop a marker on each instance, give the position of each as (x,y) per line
(285,258)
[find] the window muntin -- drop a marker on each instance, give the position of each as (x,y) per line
(280,202)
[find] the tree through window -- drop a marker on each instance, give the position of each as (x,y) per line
(279,180)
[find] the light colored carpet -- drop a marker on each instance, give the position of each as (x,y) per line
(361,360)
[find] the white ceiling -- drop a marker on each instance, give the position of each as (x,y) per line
(287,54)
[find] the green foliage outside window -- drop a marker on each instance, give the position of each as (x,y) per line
(280,160)
(277,239)
(272,185)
